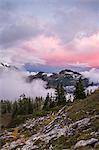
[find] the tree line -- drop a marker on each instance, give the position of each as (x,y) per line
(25,106)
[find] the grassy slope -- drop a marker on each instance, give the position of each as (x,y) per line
(5,119)
(80,109)
(85,108)
(76,111)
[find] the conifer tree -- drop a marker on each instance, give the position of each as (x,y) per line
(79,91)
(15,109)
(30,106)
(3,107)
(9,106)
(47,102)
(60,95)
(52,102)
(63,93)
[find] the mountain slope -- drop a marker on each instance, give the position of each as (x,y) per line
(4,66)
(65,77)
(75,126)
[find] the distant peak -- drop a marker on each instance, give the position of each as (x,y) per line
(68,71)
(6,65)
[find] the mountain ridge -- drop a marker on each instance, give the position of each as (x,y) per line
(65,77)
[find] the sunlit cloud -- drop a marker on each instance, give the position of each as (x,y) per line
(50,33)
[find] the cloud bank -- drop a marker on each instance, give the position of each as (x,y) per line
(92,74)
(51,32)
(13,84)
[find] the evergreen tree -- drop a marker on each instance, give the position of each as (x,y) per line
(3,107)
(60,95)
(37,104)
(79,91)
(15,109)
(30,106)
(52,102)
(57,93)
(9,106)
(47,102)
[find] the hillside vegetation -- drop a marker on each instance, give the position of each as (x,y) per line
(73,126)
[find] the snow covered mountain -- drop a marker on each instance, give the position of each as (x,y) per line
(65,77)
(5,66)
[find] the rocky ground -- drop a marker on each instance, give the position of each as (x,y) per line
(74,127)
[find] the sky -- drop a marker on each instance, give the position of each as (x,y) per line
(49,33)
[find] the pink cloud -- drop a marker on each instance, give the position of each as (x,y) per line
(51,51)
(85,50)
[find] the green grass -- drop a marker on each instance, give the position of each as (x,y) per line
(64,142)
(78,110)
(84,108)
(5,119)
(95,124)
(17,120)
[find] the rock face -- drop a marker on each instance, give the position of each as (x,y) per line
(83,143)
(66,77)
(59,126)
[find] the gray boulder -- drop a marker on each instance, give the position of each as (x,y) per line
(83,143)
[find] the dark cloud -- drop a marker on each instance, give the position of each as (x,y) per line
(12,34)
(23,20)
(64,18)
(89,4)
(75,17)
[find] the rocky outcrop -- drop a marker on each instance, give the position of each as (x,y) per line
(59,126)
(84,143)
(65,77)
(73,127)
